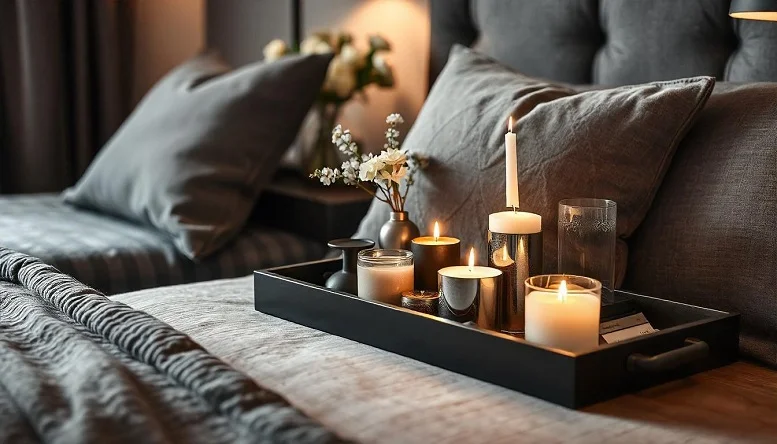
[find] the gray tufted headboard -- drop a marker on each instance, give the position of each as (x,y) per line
(609,42)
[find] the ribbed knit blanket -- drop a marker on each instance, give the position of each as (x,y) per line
(78,367)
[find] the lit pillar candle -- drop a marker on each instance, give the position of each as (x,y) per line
(562,317)
(511,166)
(430,254)
(470,293)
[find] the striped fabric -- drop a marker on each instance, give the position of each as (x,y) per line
(115,256)
(77,367)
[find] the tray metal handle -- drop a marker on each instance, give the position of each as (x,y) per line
(693,350)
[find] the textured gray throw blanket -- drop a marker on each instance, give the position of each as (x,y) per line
(77,367)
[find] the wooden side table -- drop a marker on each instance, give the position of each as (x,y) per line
(311,210)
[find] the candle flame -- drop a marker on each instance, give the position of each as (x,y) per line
(505,256)
(510,124)
(471,258)
(436,231)
(562,291)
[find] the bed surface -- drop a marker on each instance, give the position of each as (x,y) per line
(114,256)
(370,395)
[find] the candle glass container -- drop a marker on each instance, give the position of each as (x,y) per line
(470,294)
(383,275)
(431,254)
(563,312)
(586,241)
(517,256)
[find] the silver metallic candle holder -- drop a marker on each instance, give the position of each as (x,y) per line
(470,294)
(518,257)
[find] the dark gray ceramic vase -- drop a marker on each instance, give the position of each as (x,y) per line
(345,279)
(398,232)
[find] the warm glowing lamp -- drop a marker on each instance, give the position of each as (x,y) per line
(754,10)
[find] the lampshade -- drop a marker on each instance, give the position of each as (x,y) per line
(754,9)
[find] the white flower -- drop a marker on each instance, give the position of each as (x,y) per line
(275,50)
(392,133)
(370,169)
(337,132)
(380,64)
(350,172)
(351,56)
(323,48)
(378,43)
(394,119)
(393,157)
(395,174)
(340,78)
(329,176)
(314,45)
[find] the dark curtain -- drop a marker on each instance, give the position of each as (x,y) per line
(64,87)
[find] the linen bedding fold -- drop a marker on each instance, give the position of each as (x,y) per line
(76,366)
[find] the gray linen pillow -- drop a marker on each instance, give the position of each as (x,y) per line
(615,144)
(195,153)
(710,238)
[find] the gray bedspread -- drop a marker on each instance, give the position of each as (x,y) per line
(77,367)
(372,396)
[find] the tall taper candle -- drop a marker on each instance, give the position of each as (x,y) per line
(511,166)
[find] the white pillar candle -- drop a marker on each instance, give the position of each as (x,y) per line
(384,283)
(514,222)
(563,320)
(511,166)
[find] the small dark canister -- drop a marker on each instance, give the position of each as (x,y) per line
(421,301)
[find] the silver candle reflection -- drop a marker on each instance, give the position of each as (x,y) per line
(470,293)
(518,257)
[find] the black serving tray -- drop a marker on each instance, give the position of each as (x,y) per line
(690,339)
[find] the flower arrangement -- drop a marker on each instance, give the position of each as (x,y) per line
(351,70)
(380,175)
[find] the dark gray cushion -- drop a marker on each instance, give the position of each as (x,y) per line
(710,238)
(610,42)
(195,153)
(614,143)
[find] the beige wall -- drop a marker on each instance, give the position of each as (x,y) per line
(166,33)
(405,23)
(240,28)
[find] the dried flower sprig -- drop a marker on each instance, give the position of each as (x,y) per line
(387,171)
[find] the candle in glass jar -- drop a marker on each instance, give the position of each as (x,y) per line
(432,253)
(383,275)
(563,318)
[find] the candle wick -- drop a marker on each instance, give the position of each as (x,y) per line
(514,210)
